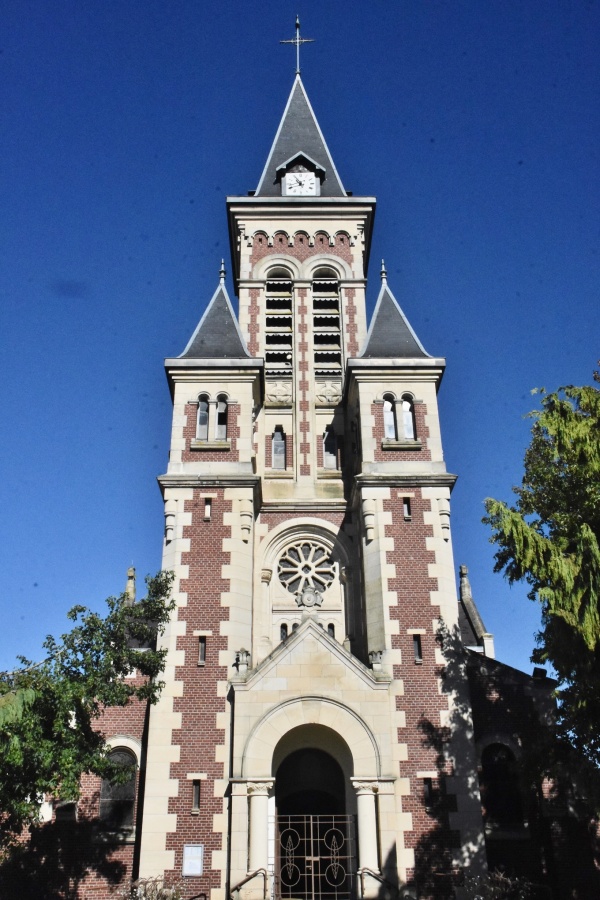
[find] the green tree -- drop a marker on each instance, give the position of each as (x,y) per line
(48,710)
(550,538)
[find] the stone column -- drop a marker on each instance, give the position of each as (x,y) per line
(258,797)
(367,824)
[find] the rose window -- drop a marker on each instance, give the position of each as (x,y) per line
(306,566)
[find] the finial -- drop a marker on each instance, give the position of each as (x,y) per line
(297,41)
(383,272)
(465,584)
(222,272)
(130,586)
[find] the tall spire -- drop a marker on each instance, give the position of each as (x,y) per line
(299,135)
(297,40)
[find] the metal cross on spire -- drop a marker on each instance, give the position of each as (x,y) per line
(297,41)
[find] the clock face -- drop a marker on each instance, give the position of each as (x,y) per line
(300,184)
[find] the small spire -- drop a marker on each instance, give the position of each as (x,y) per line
(130,587)
(222,272)
(465,584)
(383,272)
(297,41)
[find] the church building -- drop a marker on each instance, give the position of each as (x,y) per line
(311,740)
(331,707)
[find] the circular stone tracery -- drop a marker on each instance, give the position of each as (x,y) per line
(306,565)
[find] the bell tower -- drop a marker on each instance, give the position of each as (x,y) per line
(313,736)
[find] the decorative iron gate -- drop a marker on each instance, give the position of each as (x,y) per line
(316,858)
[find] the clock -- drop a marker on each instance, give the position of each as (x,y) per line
(300,184)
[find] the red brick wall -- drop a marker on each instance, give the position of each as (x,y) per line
(422,702)
(201,700)
(300,249)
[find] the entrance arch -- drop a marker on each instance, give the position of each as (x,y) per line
(263,750)
(314,833)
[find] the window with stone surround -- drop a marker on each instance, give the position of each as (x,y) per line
(330,448)
(399,428)
(117,801)
(203,408)
(390,430)
(327,331)
(279,330)
(278,448)
(221,418)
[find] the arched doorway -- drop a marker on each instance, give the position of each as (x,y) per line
(315,847)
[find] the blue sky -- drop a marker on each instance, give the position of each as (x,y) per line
(126,124)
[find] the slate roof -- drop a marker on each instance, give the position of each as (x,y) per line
(390,335)
(217,335)
(299,132)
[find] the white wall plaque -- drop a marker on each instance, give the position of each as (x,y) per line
(193,859)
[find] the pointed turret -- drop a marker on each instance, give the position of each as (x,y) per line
(299,141)
(217,335)
(390,333)
(471,624)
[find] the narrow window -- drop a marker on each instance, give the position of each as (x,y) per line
(207,508)
(408,419)
(417,648)
(295,627)
(202,651)
(278,448)
(118,800)
(203,419)
(196,795)
(221,428)
(331,630)
(428,792)
(406,509)
(283,631)
(389,418)
(330,448)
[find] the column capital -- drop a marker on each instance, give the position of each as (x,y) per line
(259,788)
(364,786)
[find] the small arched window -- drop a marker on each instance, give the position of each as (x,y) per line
(283,631)
(330,448)
(331,630)
(278,448)
(390,431)
(202,429)
(408,418)
(117,801)
(221,423)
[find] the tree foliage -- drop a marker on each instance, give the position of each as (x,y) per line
(49,710)
(550,538)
